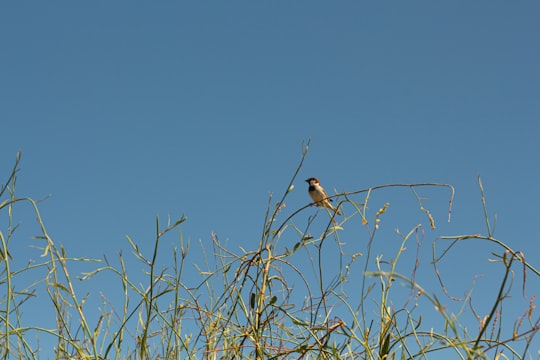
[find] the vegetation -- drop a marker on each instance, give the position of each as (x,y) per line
(316,286)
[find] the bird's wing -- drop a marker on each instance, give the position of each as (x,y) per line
(326,195)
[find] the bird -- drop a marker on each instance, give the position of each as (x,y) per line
(318,195)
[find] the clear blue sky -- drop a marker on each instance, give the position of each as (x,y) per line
(128,110)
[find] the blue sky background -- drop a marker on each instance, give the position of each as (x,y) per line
(126,110)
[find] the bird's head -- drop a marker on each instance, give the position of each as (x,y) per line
(312,181)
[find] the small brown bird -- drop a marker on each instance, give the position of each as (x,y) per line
(318,195)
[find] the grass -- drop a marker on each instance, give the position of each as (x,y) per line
(285,299)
